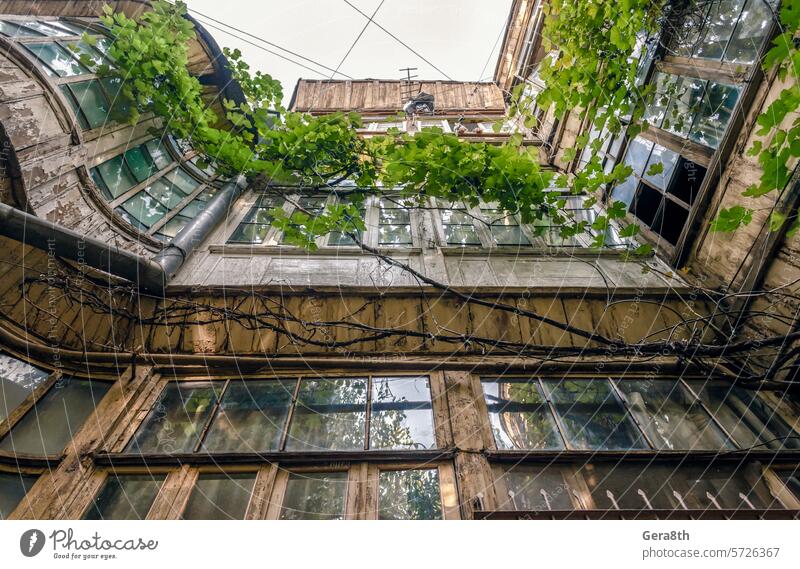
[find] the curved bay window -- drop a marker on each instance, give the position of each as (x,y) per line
(153,188)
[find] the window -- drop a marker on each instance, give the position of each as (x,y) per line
(731,30)
(315,496)
(220,496)
(592,416)
(331,414)
(175,423)
(40,28)
(313,206)
(394,224)
(13,488)
(660,486)
(57,60)
(661,202)
(409,495)
(54,419)
(519,415)
(671,416)
(17,382)
(401,414)
(251,416)
(150,191)
(503,227)
(256,224)
(458,227)
(339,239)
(125,497)
(746,416)
(298,414)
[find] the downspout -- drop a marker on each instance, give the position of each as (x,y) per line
(149,275)
(172,257)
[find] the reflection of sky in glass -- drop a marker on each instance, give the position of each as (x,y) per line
(402,415)
(17,380)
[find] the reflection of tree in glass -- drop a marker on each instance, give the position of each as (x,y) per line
(519,416)
(401,415)
(409,495)
(315,496)
(330,415)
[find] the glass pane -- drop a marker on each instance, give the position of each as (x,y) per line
(624,192)
(401,414)
(17,382)
(194,208)
(165,193)
(456,217)
(330,414)
(536,488)
(461,235)
(684,106)
(409,495)
(519,415)
(140,163)
(315,496)
(183,181)
(159,154)
(57,61)
(394,216)
(92,102)
(144,209)
(125,497)
(259,214)
(752,29)
(220,497)
(249,233)
(677,487)
(719,26)
(84,49)
(177,419)
(637,155)
(116,176)
(592,416)
(13,487)
(668,159)
(394,235)
(251,416)
(715,114)
(746,416)
(50,425)
(509,235)
(54,28)
(671,416)
(173,226)
(15,30)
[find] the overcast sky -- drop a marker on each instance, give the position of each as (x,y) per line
(457,36)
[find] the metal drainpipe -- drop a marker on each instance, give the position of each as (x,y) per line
(150,275)
(172,257)
(62,242)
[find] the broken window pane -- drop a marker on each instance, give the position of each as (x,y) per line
(220,496)
(330,414)
(409,495)
(251,416)
(671,416)
(13,488)
(592,416)
(520,416)
(747,417)
(315,496)
(17,381)
(177,419)
(54,419)
(401,413)
(125,497)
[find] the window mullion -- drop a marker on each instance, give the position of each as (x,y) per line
(177,209)
(699,400)
(141,185)
(290,415)
(211,416)
(628,412)
(561,429)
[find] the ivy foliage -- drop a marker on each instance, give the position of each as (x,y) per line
(260,139)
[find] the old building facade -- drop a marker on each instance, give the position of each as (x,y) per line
(165,354)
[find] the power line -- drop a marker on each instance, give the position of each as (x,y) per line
(361,33)
(246,33)
(398,40)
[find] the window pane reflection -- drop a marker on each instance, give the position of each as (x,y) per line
(13,488)
(401,413)
(537,488)
(220,496)
(315,496)
(17,382)
(125,497)
(409,495)
(519,416)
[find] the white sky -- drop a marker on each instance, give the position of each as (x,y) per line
(457,36)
